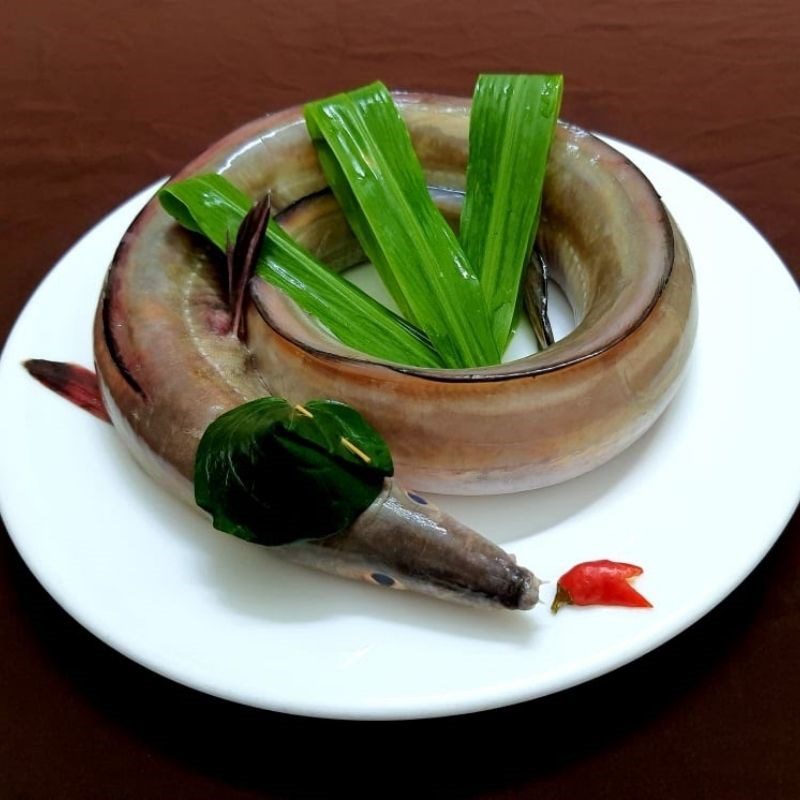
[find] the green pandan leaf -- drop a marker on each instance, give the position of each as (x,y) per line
(366,153)
(274,473)
(211,205)
(511,127)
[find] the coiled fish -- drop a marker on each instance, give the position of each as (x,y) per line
(168,366)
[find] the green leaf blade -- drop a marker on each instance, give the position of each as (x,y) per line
(366,153)
(512,123)
(211,205)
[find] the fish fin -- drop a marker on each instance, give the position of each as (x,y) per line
(73,382)
(535,293)
(242,258)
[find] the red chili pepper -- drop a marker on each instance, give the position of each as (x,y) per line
(603,583)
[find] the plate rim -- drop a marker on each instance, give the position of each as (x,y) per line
(449,704)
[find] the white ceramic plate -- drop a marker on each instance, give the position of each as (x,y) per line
(697,502)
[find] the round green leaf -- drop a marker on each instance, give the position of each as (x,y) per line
(273,473)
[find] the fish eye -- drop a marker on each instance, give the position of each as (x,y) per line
(417,498)
(381,579)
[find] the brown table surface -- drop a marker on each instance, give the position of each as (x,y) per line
(101,99)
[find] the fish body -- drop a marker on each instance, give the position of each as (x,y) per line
(168,366)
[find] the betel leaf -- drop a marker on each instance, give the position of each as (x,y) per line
(511,126)
(366,153)
(274,473)
(214,207)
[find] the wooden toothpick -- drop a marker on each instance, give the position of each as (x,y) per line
(357,450)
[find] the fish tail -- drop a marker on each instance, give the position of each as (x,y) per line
(71,381)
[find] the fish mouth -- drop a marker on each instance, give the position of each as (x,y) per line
(496,582)
(528,597)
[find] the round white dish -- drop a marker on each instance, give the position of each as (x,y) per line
(697,503)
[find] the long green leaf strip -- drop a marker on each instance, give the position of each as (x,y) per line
(367,156)
(212,206)
(273,473)
(511,127)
